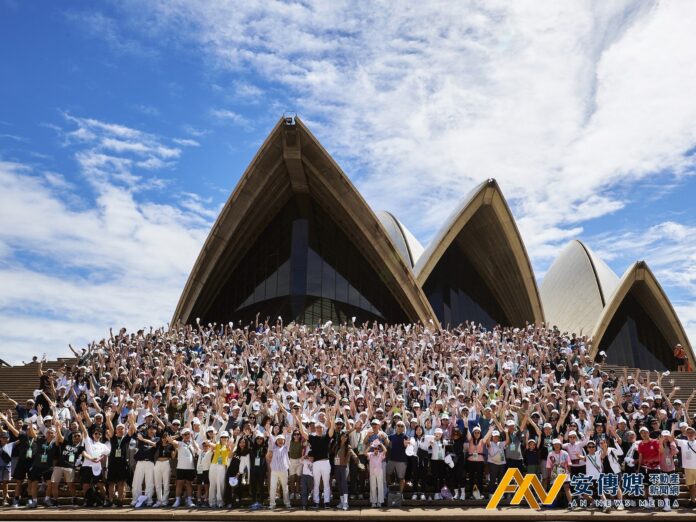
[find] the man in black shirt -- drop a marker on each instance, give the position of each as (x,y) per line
(319,444)
(69,455)
(42,451)
(145,466)
(119,471)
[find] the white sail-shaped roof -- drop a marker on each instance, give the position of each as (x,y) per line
(406,243)
(576,289)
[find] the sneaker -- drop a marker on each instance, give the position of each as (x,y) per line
(326,505)
(344,507)
(189,503)
(422,496)
(437,496)
(607,509)
(414,496)
(316,506)
(15,502)
(48,502)
(271,506)
(352,497)
(620,507)
(667,507)
(31,503)
(374,505)
(157,504)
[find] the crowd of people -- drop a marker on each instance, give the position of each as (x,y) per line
(313,417)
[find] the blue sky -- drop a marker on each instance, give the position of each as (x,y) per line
(125,125)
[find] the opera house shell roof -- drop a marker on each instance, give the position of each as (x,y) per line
(296,240)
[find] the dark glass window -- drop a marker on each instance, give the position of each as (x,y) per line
(457,292)
(634,340)
(304,268)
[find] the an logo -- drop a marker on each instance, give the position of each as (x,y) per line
(525,488)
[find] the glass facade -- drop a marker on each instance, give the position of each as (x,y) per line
(634,340)
(458,293)
(304,268)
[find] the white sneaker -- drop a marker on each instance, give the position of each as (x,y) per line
(414,496)
(620,507)
(422,496)
(667,507)
(437,496)
(456,495)
(157,504)
(189,502)
(177,503)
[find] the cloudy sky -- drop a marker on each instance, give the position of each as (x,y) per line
(125,125)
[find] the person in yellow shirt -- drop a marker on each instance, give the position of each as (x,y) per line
(218,469)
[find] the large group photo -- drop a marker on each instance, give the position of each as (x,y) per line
(315,260)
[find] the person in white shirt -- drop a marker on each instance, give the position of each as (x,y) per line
(610,455)
(93,457)
(202,469)
(186,451)
(688,454)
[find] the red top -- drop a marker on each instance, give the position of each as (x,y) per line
(650,451)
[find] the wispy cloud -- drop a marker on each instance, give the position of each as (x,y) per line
(119,258)
(226,115)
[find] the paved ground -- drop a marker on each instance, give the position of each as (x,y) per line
(443,513)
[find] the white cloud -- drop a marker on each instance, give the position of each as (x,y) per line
(231,117)
(69,272)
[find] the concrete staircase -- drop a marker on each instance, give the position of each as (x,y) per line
(19,382)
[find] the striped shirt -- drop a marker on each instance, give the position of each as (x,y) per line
(280,460)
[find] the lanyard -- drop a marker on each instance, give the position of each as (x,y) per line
(592,459)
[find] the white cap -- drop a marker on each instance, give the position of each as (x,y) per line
(556,441)
(495,433)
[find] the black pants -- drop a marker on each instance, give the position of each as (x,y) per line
(459,473)
(439,473)
(256,479)
(420,474)
(475,469)
(358,484)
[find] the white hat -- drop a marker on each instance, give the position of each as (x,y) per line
(510,423)
(643,428)
(547,425)
(666,433)
(225,434)
(495,433)
(556,441)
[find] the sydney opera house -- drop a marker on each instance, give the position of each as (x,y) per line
(296,239)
